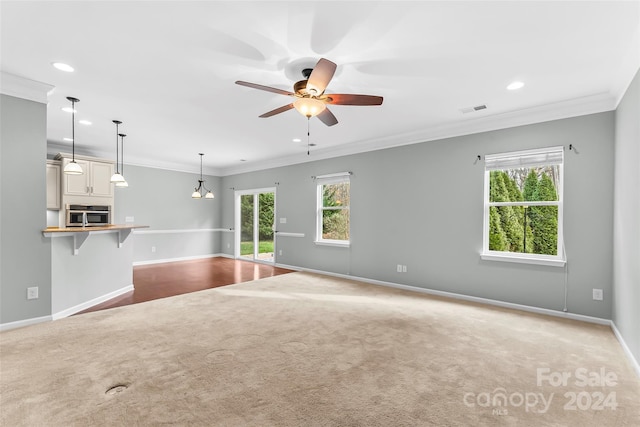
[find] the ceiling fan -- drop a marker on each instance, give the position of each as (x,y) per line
(311,100)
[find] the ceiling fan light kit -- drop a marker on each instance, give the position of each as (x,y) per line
(312,101)
(309,107)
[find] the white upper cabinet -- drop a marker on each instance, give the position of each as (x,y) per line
(94,182)
(53,185)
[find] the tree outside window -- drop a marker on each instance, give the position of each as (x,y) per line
(523,205)
(333,211)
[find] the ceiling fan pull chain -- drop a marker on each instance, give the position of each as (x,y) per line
(308,137)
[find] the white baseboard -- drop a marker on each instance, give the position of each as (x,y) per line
(462,297)
(88,304)
(626,348)
(537,310)
(22,323)
(186,258)
(527,308)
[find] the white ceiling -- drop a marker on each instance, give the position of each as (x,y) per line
(167,70)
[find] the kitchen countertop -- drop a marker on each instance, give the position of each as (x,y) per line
(112,227)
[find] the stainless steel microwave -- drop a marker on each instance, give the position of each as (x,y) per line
(88,215)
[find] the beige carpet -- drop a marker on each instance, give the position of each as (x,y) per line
(308,350)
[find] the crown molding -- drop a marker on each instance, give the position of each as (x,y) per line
(596,103)
(54,148)
(592,104)
(20,87)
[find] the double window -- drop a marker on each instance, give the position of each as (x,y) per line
(333,219)
(523,206)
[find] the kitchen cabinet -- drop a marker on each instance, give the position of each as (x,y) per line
(53,184)
(93,187)
(94,182)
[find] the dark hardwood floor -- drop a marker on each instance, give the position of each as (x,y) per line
(173,278)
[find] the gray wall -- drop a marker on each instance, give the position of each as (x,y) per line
(626,232)
(100,268)
(421,206)
(25,255)
(162,200)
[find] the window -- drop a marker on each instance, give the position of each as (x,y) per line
(523,207)
(333,199)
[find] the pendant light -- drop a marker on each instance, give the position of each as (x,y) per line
(72,168)
(117,177)
(197,193)
(124,182)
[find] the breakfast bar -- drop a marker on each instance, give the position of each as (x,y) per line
(80,234)
(89,265)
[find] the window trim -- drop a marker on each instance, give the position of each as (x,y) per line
(337,178)
(555,156)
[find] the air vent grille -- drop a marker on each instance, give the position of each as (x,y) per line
(473,109)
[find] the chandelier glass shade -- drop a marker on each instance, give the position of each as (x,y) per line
(200,189)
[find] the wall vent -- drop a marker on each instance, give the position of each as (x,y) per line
(473,109)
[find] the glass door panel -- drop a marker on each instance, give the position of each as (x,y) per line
(247,235)
(265,227)
(255,236)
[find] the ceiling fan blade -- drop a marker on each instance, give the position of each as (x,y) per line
(327,117)
(321,76)
(350,99)
(267,88)
(277,111)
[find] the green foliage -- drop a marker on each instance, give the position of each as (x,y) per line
(265,212)
(509,218)
(544,219)
(335,222)
(530,185)
(265,216)
(246,248)
(246,217)
(497,236)
(532,229)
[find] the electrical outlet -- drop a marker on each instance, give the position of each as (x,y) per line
(128,219)
(399,268)
(153,249)
(283,220)
(32,293)
(404,268)
(280,252)
(597,295)
(228,245)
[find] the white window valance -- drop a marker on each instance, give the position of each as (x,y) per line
(524,159)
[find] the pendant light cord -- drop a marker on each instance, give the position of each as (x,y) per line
(73,131)
(122,155)
(122,135)
(117,149)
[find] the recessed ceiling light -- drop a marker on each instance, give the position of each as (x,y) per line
(68,110)
(84,122)
(297,140)
(63,67)
(243,160)
(515,86)
(68,139)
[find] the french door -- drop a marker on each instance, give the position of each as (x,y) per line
(254,224)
